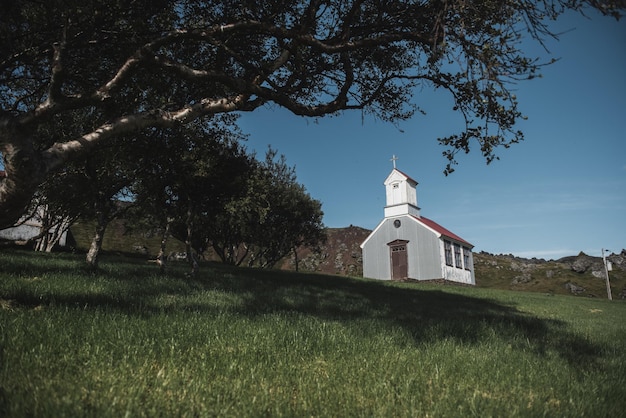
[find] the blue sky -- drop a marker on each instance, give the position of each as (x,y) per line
(561,191)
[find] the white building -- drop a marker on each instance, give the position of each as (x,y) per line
(406,245)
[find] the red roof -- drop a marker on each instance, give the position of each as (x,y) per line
(406,175)
(441,230)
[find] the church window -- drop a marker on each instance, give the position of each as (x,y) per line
(395,185)
(447,245)
(466,258)
(457,256)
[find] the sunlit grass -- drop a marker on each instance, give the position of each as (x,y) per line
(236,342)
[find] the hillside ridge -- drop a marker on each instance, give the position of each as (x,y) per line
(579,274)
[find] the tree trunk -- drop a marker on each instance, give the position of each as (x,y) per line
(252,259)
(188,243)
(52,229)
(44,232)
(96,243)
(239,259)
(42,243)
(61,228)
(295,257)
(53,238)
(24,170)
(162,257)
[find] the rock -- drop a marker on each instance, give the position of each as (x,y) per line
(598,274)
(339,262)
(618,260)
(574,288)
(582,263)
(521,279)
(340,254)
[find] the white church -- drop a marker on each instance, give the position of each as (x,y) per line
(406,245)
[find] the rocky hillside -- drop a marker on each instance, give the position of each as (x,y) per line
(341,254)
(581,274)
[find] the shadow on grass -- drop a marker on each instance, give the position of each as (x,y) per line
(428,315)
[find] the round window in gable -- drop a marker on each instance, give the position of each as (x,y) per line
(397,223)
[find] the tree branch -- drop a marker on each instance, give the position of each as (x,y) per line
(59,153)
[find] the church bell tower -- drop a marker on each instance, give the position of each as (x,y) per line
(401,194)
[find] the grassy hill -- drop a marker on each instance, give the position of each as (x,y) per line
(578,275)
(121,238)
(242,342)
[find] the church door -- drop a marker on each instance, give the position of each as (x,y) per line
(399,260)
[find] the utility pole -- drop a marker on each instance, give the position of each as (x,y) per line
(606,272)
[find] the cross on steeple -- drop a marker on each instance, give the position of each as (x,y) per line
(393,160)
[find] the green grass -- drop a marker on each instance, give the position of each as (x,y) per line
(239,342)
(547,277)
(119,239)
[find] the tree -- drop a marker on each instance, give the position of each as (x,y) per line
(54,217)
(107,180)
(97,189)
(274,217)
(187,173)
(128,65)
(291,217)
(56,208)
